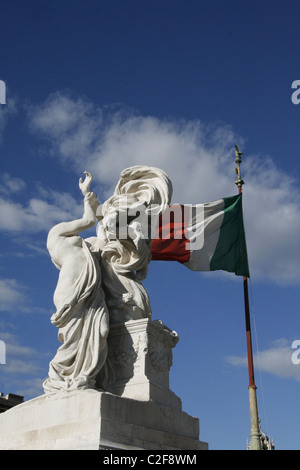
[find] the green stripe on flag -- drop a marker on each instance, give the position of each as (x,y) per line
(231,251)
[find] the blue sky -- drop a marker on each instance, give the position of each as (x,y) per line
(103,85)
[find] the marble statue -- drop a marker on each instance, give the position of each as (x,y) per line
(100,277)
(108,383)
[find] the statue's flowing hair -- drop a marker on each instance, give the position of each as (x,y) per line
(127,252)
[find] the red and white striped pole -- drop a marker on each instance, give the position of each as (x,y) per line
(255,435)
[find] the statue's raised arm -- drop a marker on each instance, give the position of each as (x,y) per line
(63,239)
(84,186)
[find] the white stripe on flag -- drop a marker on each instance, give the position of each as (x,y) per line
(207,229)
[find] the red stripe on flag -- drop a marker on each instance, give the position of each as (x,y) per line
(170,241)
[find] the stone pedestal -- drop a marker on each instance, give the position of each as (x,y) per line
(136,411)
(139,361)
(92,420)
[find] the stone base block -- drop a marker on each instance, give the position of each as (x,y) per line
(138,362)
(93,420)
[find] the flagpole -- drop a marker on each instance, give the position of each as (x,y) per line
(255,434)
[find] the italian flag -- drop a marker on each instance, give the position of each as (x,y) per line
(204,237)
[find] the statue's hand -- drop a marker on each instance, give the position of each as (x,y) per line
(85,185)
(90,197)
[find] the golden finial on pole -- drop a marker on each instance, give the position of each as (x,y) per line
(239,182)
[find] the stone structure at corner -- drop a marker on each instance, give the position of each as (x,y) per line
(9,401)
(108,383)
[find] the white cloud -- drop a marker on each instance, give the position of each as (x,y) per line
(38,214)
(10,184)
(11,295)
(277,360)
(22,366)
(14,298)
(199,160)
(105,142)
(73,125)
